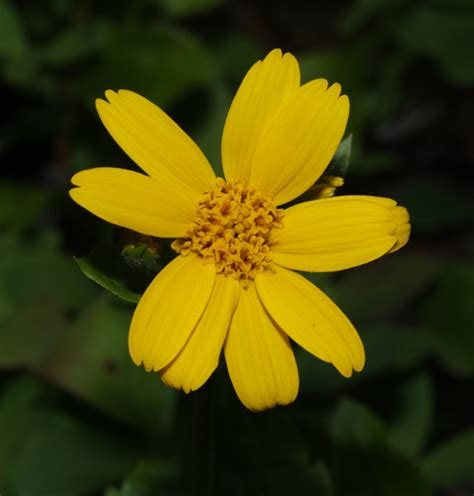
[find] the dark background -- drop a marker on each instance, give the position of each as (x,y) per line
(77,418)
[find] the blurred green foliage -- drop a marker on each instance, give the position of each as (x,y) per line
(77,418)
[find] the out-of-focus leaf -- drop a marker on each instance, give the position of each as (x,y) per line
(93,363)
(361,442)
(448,317)
(161,64)
(209,133)
(185,8)
(146,479)
(384,287)
(452,462)
(43,451)
(445,34)
(35,270)
(236,53)
(412,426)
(387,350)
(31,335)
(19,420)
(73,44)
(436,206)
(21,205)
(13,41)
(66,458)
(354,423)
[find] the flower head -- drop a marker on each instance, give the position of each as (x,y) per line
(231,286)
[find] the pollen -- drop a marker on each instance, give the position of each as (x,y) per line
(231,230)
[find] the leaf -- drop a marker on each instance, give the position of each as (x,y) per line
(413,421)
(361,445)
(67,458)
(73,44)
(386,286)
(35,270)
(92,362)
(353,423)
(452,462)
(443,33)
(163,64)
(29,337)
(19,215)
(13,42)
(43,451)
(340,163)
(448,315)
(148,478)
(186,8)
(115,283)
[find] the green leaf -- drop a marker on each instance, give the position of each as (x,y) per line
(413,420)
(13,41)
(340,163)
(448,315)
(27,339)
(353,423)
(452,462)
(93,363)
(73,44)
(35,270)
(15,215)
(109,273)
(185,8)
(386,286)
(445,34)
(159,63)
(148,478)
(67,458)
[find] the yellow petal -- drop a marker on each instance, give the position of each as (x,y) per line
(267,85)
(200,355)
(169,310)
(154,141)
(300,141)
(156,207)
(259,357)
(311,319)
(339,233)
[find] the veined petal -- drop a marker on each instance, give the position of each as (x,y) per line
(154,141)
(156,207)
(267,85)
(200,355)
(311,319)
(339,233)
(169,310)
(259,356)
(300,141)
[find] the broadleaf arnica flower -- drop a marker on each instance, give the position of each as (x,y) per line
(233,285)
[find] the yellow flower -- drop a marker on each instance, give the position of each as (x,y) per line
(231,286)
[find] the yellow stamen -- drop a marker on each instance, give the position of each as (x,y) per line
(231,230)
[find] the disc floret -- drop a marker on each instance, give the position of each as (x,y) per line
(231,230)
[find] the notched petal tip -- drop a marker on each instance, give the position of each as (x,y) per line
(403,228)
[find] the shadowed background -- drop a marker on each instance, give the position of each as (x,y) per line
(77,418)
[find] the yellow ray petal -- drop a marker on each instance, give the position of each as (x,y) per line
(259,356)
(150,206)
(169,310)
(311,319)
(154,141)
(300,141)
(263,91)
(339,233)
(200,355)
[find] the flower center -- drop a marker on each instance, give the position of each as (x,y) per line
(231,230)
